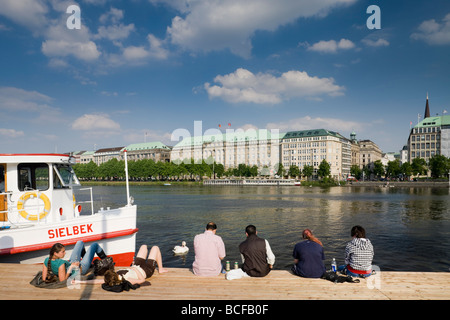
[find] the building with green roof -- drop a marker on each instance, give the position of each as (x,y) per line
(311,147)
(430,137)
(156,150)
(233,147)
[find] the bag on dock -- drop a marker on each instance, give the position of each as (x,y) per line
(103,265)
(124,285)
(334,277)
(40,283)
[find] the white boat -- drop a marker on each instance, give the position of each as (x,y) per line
(38,208)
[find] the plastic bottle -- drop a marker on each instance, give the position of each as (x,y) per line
(333,265)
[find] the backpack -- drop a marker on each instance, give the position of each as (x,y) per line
(103,265)
(334,277)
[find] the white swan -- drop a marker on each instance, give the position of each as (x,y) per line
(183,249)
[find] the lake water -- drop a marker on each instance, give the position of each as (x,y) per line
(409,227)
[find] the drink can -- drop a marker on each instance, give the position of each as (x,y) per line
(236,265)
(227,266)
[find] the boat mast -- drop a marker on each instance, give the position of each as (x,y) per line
(126,177)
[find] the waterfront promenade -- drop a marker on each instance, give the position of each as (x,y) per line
(182,284)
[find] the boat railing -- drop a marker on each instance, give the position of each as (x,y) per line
(88,201)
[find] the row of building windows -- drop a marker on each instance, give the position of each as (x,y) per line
(427,137)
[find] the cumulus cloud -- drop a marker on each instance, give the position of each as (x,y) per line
(331,46)
(29,13)
(308,122)
(86,51)
(11,133)
(17,99)
(209,25)
(434,33)
(95,122)
(375,43)
(265,88)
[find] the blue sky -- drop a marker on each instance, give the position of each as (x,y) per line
(138,70)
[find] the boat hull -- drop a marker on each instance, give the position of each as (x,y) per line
(115,230)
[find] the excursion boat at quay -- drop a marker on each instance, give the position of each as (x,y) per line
(253,182)
(38,207)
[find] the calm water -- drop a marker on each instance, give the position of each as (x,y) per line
(409,227)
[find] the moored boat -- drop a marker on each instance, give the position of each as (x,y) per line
(38,208)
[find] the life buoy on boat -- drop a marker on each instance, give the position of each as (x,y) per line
(33,217)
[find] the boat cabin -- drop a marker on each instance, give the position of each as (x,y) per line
(36,188)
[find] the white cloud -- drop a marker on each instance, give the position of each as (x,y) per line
(307,123)
(331,46)
(11,133)
(375,43)
(95,122)
(17,99)
(434,33)
(86,51)
(28,13)
(209,25)
(113,29)
(264,88)
(153,50)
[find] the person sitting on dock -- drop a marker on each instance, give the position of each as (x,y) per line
(257,256)
(358,254)
(55,266)
(209,252)
(308,257)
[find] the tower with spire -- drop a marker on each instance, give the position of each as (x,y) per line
(427,109)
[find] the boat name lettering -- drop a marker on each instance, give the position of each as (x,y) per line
(70,231)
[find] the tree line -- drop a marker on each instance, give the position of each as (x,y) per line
(148,169)
(438,167)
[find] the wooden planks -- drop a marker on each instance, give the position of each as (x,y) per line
(182,284)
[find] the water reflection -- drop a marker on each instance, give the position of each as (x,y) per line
(409,227)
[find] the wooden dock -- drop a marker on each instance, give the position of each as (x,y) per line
(182,284)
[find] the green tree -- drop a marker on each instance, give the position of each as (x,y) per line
(406,169)
(378,168)
(280,171)
(294,171)
(307,171)
(419,166)
(393,168)
(324,169)
(355,171)
(439,166)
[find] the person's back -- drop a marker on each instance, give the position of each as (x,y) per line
(254,250)
(309,256)
(209,251)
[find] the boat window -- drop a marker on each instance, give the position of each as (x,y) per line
(64,177)
(33,176)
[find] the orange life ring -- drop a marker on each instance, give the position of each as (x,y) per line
(33,217)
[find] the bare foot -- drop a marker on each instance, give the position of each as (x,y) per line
(162,270)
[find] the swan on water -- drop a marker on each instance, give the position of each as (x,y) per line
(181,249)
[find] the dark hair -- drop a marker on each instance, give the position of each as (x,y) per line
(251,229)
(51,277)
(358,231)
(112,278)
(211,226)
